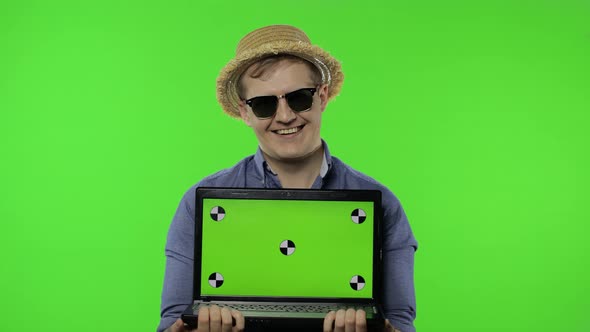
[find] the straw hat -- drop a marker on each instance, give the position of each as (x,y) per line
(268,41)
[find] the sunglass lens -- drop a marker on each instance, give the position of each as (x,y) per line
(300,100)
(264,107)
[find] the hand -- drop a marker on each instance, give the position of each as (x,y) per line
(346,321)
(389,328)
(213,319)
(350,320)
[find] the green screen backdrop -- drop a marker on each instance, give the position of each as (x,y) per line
(474,113)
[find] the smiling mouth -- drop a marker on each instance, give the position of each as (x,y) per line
(288,131)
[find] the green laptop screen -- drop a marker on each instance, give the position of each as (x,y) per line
(287,248)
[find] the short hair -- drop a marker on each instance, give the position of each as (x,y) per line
(266,65)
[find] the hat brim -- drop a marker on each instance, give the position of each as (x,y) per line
(227,82)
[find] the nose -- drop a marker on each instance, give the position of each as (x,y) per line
(284,113)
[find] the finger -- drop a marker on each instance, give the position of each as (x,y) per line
(240,322)
(349,320)
(329,321)
(389,327)
(215,318)
(178,326)
(361,321)
(226,323)
(203,319)
(339,321)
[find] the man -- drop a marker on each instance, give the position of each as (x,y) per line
(279,85)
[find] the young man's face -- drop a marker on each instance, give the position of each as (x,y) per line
(302,137)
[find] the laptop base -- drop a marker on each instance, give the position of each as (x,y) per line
(283,321)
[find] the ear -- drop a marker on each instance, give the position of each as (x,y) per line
(244,113)
(323,93)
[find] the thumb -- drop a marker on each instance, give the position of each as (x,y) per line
(388,326)
(178,326)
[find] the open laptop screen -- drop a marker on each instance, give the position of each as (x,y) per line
(295,243)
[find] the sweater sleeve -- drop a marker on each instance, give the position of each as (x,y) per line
(399,245)
(178,279)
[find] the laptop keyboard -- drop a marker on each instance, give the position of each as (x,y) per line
(323,308)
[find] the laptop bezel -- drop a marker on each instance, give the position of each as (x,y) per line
(291,194)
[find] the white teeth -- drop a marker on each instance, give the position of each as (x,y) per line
(287,131)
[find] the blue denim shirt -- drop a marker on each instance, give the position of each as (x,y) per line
(399,245)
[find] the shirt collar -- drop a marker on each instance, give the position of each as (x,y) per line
(262,165)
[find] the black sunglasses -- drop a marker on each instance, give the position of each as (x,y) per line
(265,107)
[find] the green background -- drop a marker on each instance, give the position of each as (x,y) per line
(245,248)
(475,113)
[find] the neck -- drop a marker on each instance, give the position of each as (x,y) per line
(298,173)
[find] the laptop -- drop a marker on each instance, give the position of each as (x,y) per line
(286,257)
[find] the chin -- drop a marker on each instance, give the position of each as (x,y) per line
(282,154)
(289,156)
